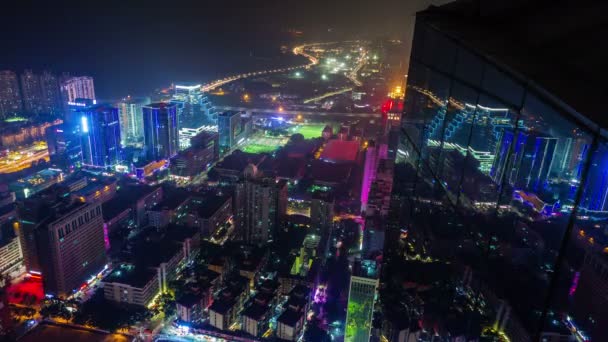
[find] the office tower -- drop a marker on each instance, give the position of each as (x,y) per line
(595,194)
(10,95)
(50,94)
(361,300)
(322,212)
(234,127)
(260,206)
(194,108)
(65,147)
(31,92)
(161,139)
(63,241)
(73,112)
(131,119)
(529,162)
(100,132)
(468,87)
(78,87)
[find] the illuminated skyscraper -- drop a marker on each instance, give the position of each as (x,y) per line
(65,147)
(80,87)
(193,107)
(595,194)
(233,127)
(10,96)
(131,119)
(101,136)
(31,92)
(361,299)
(161,138)
(531,160)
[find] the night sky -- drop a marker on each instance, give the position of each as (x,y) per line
(133,47)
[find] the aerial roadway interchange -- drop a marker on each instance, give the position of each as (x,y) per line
(23,158)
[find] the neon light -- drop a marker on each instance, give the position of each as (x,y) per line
(574,285)
(85,124)
(35,272)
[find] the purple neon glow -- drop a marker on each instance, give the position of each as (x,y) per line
(574,284)
(369,173)
(320,295)
(106,239)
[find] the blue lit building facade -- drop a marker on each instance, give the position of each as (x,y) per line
(100,132)
(161,138)
(233,128)
(504,179)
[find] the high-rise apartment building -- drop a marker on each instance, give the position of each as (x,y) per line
(322,212)
(31,92)
(50,94)
(161,138)
(10,95)
(131,119)
(100,131)
(260,206)
(77,87)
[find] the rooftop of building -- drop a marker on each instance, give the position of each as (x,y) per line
(172,199)
(299,291)
(255,311)
(222,306)
(238,161)
(152,247)
(329,173)
(229,113)
(208,205)
(268,286)
(554,44)
(290,317)
(188,300)
(113,208)
(296,303)
(46,331)
(136,276)
(132,193)
(92,187)
(340,151)
(159,105)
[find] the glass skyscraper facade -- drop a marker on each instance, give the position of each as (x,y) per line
(499,200)
(161,138)
(100,131)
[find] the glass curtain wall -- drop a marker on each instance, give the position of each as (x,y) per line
(499,206)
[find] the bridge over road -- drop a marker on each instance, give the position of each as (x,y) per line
(275,111)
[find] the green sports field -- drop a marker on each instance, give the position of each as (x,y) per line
(310,131)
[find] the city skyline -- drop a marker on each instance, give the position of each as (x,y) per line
(311,172)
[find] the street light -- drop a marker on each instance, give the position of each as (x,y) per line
(323,77)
